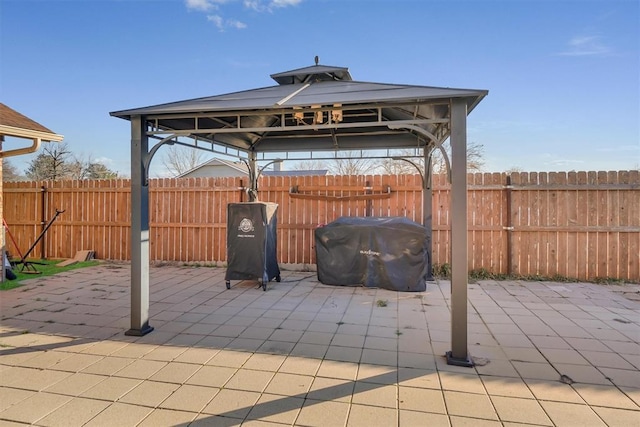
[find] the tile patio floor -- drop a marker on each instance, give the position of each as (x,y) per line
(307,354)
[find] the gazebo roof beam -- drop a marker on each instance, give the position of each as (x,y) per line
(298,128)
(288,110)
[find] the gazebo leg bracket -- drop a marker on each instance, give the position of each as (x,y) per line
(455,361)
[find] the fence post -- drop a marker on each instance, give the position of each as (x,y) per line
(43,221)
(509,226)
(369,205)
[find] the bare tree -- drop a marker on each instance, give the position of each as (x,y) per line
(97,170)
(514,169)
(76,169)
(352,164)
(51,164)
(87,168)
(9,171)
(475,158)
(56,161)
(178,159)
(400,167)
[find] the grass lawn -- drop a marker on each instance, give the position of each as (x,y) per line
(47,268)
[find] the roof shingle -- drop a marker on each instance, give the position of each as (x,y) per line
(10,117)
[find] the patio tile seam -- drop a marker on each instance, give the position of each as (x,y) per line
(586,405)
(595,405)
(553,363)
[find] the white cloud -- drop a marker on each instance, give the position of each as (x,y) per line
(202,5)
(222,23)
(284,3)
(268,6)
(217,20)
(586,46)
(219,5)
(104,160)
(254,5)
(236,24)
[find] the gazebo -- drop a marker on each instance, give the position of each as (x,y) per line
(311,110)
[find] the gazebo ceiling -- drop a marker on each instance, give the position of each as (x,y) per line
(313,108)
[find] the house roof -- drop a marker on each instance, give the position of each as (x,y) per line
(13,123)
(242,168)
(239,166)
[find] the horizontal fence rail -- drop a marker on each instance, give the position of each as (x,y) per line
(583,225)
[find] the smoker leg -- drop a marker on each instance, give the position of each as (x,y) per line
(228,283)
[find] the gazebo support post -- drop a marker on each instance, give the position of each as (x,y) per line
(459,264)
(427,206)
(139,229)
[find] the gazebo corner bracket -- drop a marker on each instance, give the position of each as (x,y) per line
(437,142)
(147,159)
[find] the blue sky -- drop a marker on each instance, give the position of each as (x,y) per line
(563,76)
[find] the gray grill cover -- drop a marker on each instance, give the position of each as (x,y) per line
(389,253)
(252,241)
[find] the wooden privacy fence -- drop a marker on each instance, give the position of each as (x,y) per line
(582,225)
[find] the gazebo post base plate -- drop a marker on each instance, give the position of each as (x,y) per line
(139,332)
(455,361)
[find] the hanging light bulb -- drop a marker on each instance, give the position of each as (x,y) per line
(336,113)
(318,116)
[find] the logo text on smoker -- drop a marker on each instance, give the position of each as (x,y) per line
(246,225)
(370,252)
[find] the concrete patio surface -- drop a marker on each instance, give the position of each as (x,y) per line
(308,354)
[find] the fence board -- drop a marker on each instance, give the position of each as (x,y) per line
(633,177)
(543,219)
(551,263)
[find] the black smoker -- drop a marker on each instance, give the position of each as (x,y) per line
(252,242)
